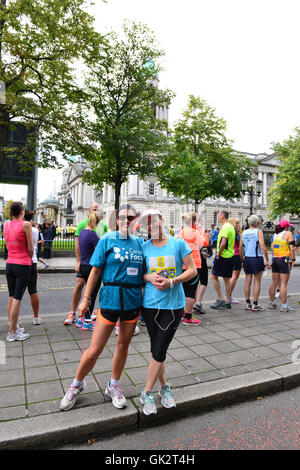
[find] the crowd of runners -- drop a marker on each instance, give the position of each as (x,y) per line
(158,280)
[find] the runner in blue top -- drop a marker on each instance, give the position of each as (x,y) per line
(118,256)
(163,301)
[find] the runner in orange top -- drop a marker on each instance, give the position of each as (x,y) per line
(195,241)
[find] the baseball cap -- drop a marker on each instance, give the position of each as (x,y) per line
(150,212)
(285,223)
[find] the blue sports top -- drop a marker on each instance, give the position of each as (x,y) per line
(121,260)
(251,244)
(157,259)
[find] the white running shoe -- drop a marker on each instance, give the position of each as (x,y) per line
(147,399)
(114,394)
(71,396)
(17,336)
(36,320)
(233,300)
(136,331)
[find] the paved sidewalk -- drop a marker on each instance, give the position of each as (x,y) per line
(234,354)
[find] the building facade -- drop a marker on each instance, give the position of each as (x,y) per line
(147,194)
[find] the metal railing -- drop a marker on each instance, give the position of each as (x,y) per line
(62,245)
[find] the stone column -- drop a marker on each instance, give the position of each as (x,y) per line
(265,187)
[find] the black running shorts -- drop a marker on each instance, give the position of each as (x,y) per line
(17,276)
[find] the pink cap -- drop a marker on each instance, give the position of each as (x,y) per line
(285,223)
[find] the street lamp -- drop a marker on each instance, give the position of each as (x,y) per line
(252,191)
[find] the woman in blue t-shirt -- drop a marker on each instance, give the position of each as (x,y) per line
(163,301)
(118,257)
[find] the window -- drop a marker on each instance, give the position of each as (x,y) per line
(215,219)
(151,188)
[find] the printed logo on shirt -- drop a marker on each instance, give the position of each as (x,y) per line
(132,255)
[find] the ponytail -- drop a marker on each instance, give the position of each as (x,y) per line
(94,219)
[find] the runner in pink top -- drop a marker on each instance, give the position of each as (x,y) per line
(19,243)
(16,243)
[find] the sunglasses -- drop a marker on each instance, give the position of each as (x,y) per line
(128,217)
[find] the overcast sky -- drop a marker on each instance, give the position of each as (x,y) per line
(242,56)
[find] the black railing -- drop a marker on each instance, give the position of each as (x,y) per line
(62,245)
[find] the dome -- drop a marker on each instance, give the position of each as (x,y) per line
(50,201)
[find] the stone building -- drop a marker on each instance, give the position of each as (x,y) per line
(146,194)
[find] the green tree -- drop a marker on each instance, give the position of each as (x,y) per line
(202,162)
(285,193)
(6,210)
(115,127)
(40,40)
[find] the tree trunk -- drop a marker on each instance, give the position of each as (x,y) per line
(4,128)
(118,184)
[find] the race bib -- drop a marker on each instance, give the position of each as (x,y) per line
(159,263)
(132,271)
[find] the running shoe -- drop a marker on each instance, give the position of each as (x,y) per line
(71,318)
(277,295)
(114,394)
(272,306)
(147,399)
(17,336)
(136,331)
(248,306)
(218,304)
(198,308)
(79,322)
(94,316)
(227,305)
(88,326)
(191,321)
(233,300)
(36,320)
(142,322)
(71,396)
(117,330)
(46,266)
(166,397)
(287,309)
(257,308)
(19,329)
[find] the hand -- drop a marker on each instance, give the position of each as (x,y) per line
(268,266)
(161,283)
(77,267)
(83,307)
(292,264)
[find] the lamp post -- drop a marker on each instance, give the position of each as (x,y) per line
(252,191)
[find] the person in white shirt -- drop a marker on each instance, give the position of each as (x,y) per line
(32,284)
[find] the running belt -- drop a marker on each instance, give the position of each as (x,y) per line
(121,286)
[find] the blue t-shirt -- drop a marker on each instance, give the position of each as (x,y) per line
(88,240)
(168,257)
(214,235)
(121,260)
(251,244)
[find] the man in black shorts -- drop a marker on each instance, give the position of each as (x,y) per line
(223,262)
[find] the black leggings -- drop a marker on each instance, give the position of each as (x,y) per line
(162,336)
(17,276)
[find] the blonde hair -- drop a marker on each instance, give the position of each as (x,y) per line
(233,220)
(190,218)
(94,219)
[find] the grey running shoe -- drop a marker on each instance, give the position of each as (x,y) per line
(198,308)
(272,306)
(218,304)
(17,336)
(147,399)
(257,308)
(166,397)
(71,396)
